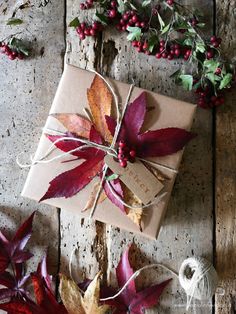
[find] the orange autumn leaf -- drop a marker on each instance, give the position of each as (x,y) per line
(100,102)
(74,123)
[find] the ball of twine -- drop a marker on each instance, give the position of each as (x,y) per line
(198,278)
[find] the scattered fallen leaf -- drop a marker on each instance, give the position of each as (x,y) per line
(130,300)
(100,102)
(75,303)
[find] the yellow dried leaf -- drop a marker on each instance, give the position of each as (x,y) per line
(91,298)
(74,123)
(75,303)
(134,214)
(100,102)
(92,197)
(70,295)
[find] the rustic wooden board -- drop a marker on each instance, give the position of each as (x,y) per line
(26,92)
(226,171)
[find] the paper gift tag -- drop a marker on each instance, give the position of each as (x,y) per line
(137,178)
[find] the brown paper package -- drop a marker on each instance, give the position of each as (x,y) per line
(71,97)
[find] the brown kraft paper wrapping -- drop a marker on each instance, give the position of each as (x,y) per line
(71,97)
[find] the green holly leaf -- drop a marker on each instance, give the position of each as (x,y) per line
(200,46)
(101,18)
(112,177)
(201,25)
(186,81)
(19,46)
(134,33)
(226,80)
(165,29)
(188,42)
(121,6)
(14,21)
(152,42)
(211,65)
(146,3)
(74,23)
(162,23)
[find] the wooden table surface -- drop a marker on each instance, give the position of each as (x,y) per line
(201,214)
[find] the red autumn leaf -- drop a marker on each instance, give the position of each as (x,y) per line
(72,181)
(130,301)
(19,307)
(111,124)
(13,250)
(116,186)
(151,143)
(162,142)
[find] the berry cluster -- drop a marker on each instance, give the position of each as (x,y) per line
(130,18)
(125,154)
(12,54)
(151,40)
(207,99)
(85,30)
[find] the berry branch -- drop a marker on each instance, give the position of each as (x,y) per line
(169,30)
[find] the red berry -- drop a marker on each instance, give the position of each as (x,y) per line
(113,4)
(164,55)
(82,6)
(218,71)
(158,55)
(135,18)
(138,24)
(112,13)
(82,36)
(162,43)
(210,54)
(147,52)
(177,52)
(92,32)
(83,25)
(132,153)
(139,49)
(170,57)
(213,39)
(123,163)
(194,21)
(90,2)
(96,25)
(145,46)
(122,144)
(11,56)
(20,56)
(122,22)
(143,24)
(125,17)
(170,2)
(135,43)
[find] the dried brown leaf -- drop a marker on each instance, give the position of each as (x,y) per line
(75,303)
(74,123)
(100,102)
(92,197)
(70,295)
(134,214)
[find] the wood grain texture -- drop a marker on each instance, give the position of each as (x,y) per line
(26,92)
(88,236)
(226,171)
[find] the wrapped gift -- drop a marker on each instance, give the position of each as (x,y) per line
(110,151)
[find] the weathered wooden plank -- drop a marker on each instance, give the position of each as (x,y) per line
(26,92)
(225,170)
(76,232)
